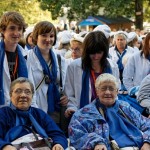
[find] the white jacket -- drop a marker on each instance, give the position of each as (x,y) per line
(136,69)
(35,73)
(73,82)
(143,96)
(113,53)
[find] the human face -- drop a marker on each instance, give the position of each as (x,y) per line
(30,40)
(120,42)
(12,33)
(21,96)
(107,93)
(45,41)
(76,50)
(96,58)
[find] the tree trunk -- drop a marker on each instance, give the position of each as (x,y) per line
(139,14)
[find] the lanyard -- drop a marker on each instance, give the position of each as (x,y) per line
(94,76)
(15,68)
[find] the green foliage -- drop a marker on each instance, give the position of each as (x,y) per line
(147,10)
(37,10)
(80,9)
(119,7)
(54,6)
(30,9)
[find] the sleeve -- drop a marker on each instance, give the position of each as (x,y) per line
(143,96)
(84,134)
(128,73)
(115,70)
(140,122)
(69,88)
(30,76)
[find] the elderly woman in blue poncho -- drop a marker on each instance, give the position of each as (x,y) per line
(108,119)
(20,114)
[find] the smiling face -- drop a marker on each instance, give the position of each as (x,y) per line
(107,92)
(13,33)
(45,41)
(21,95)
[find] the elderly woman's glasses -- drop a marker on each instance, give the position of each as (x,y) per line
(105,88)
(20,91)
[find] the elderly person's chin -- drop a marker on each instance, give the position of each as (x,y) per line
(22,106)
(108,102)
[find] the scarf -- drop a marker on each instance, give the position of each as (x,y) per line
(119,62)
(22,68)
(121,130)
(28,46)
(53,95)
(84,98)
(21,117)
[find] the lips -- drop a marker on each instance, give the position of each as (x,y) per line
(23,101)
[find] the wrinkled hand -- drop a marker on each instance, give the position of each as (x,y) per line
(57,147)
(9,147)
(68,113)
(146,146)
(64,100)
(100,147)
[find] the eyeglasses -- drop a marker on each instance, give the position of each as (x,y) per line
(105,88)
(20,91)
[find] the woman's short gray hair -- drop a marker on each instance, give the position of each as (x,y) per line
(106,77)
(21,80)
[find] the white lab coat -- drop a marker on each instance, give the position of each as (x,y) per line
(35,72)
(135,70)
(143,96)
(73,82)
(113,53)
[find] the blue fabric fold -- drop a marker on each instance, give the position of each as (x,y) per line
(22,68)
(121,129)
(84,98)
(21,117)
(53,95)
(132,101)
(2,54)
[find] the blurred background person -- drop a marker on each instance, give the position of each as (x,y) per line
(28,38)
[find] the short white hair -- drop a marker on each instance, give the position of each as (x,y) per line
(106,77)
(122,34)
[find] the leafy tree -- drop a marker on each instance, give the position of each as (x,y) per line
(80,9)
(30,9)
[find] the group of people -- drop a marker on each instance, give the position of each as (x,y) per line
(37,81)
